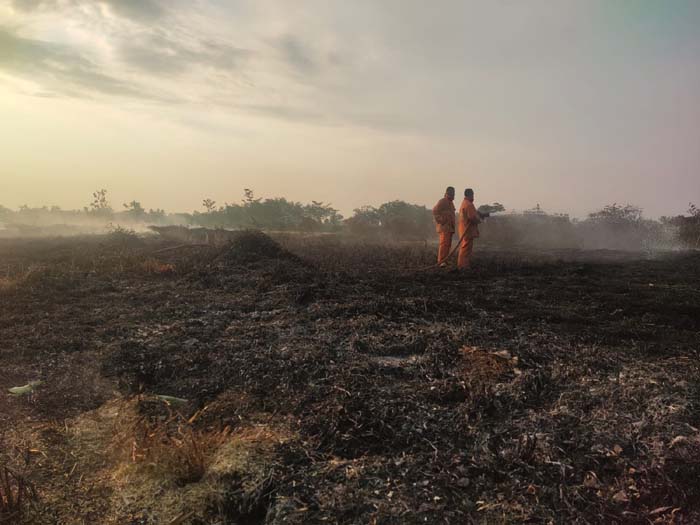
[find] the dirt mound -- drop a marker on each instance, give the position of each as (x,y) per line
(253,245)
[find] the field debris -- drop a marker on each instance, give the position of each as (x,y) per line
(25,389)
(320,386)
(482,364)
(171,400)
(153,266)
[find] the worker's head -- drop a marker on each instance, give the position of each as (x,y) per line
(469,194)
(450,193)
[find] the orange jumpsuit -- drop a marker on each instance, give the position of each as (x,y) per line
(444,215)
(469,220)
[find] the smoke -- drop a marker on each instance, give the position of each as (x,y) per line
(615,227)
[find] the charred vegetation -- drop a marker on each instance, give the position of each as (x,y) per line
(317,379)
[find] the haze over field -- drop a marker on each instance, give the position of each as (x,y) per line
(572,104)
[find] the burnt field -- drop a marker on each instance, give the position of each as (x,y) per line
(320,380)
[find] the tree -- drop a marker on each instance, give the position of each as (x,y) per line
(398,219)
(209,205)
(404,220)
(100,205)
(365,221)
(100,200)
(249,197)
(492,208)
(687,228)
(134,210)
(157,215)
(621,228)
(317,215)
(615,214)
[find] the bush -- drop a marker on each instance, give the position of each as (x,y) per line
(270,214)
(365,222)
(620,227)
(687,228)
(395,219)
(534,228)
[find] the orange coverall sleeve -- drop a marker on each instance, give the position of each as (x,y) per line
(439,211)
(473,215)
(468,216)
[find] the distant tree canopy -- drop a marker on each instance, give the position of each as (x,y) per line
(615,226)
(134,210)
(100,205)
(400,220)
(397,219)
(492,208)
(365,221)
(272,214)
(97,212)
(209,205)
(688,227)
(533,228)
(615,214)
(620,227)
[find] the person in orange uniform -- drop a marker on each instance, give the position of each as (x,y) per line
(444,215)
(469,219)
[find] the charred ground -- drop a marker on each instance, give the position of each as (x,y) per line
(544,387)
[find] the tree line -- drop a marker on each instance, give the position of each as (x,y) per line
(615,225)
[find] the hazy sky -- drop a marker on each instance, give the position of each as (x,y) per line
(571,104)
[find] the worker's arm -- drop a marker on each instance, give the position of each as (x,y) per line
(473,215)
(463,217)
(439,212)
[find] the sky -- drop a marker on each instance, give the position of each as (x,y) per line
(572,104)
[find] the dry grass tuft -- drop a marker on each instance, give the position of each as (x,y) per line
(6,283)
(174,450)
(152,266)
(15,493)
(484,367)
(12,281)
(174,469)
(183,456)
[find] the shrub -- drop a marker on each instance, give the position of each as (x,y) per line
(687,228)
(534,228)
(621,228)
(396,219)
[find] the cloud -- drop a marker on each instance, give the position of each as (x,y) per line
(137,9)
(331,118)
(288,113)
(297,55)
(487,69)
(161,54)
(145,10)
(27,5)
(280,73)
(59,68)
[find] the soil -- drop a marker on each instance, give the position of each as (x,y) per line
(543,387)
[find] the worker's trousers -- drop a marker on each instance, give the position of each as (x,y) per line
(464,258)
(445,245)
